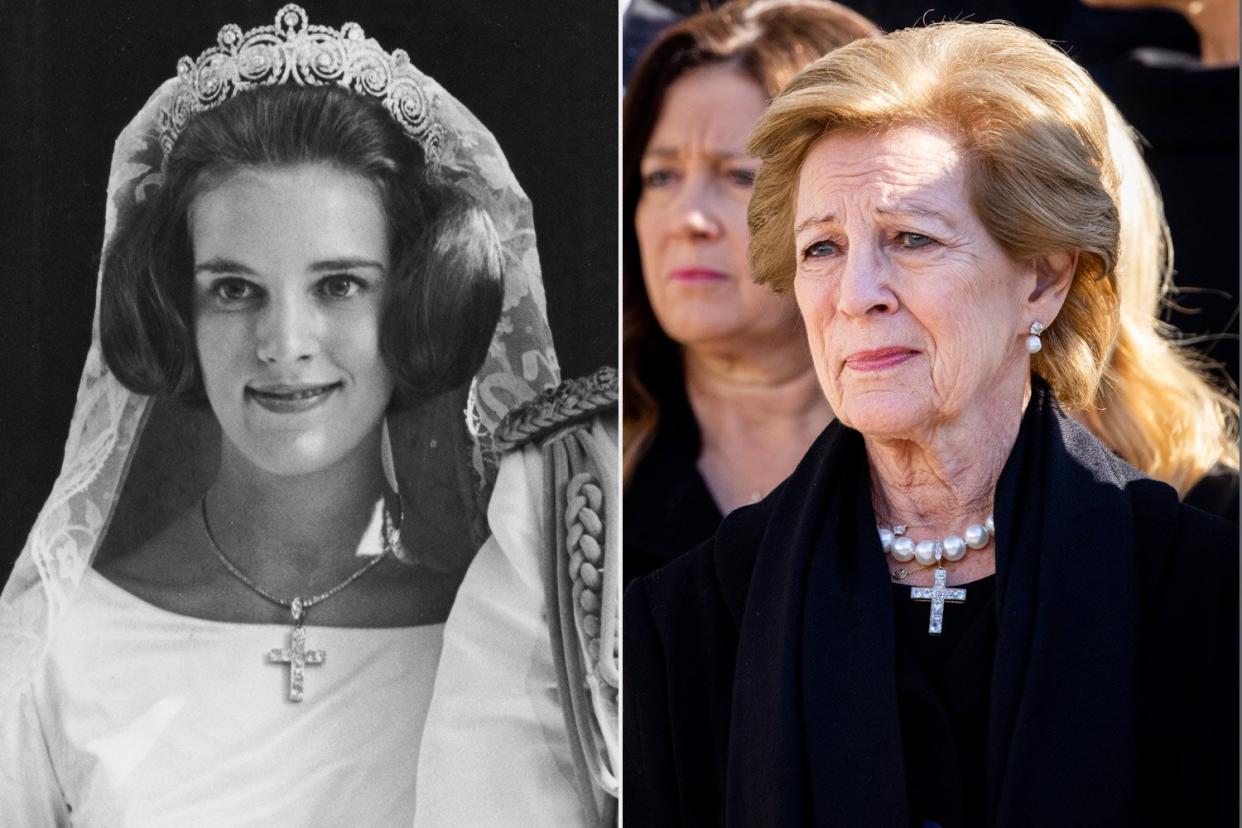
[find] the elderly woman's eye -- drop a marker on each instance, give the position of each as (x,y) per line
(819,250)
(340,287)
(913,240)
(232,290)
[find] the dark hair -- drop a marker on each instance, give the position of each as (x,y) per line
(447,284)
(770,41)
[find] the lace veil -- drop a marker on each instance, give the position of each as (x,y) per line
(131,461)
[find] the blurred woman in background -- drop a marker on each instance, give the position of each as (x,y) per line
(720,395)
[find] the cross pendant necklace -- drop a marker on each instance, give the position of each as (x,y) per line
(928,552)
(938,593)
(296,655)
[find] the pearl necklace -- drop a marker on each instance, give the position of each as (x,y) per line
(929,552)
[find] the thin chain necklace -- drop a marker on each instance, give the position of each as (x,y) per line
(296,655)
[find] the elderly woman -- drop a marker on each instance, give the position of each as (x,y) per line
(721,397)
(960,609)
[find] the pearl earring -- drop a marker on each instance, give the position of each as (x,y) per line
(1033,343)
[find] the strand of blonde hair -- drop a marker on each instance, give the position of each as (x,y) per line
(1155,406)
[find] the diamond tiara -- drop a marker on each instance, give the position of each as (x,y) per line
(293,51)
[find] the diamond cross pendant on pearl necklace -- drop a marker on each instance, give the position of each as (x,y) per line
(938,593)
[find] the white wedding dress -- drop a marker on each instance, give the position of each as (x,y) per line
(137,716)
(142,717)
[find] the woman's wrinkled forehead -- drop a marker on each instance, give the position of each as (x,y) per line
(912,169)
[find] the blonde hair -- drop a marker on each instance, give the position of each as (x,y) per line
(768,41)
(1155,407)
(1052,167)
(1035,136)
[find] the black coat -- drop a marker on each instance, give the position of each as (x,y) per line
(668,507)
(760,681)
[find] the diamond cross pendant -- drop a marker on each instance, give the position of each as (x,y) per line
(297,657)
(938,593)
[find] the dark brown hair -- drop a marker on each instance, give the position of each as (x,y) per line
(769,41)
(447,282)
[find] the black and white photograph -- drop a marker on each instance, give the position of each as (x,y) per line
(316,343)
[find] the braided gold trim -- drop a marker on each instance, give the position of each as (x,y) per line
(585,540)
(570,402)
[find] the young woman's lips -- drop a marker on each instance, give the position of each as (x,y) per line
(697,274)
(879,359)
(291,399)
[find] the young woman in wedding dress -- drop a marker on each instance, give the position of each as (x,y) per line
(281,576)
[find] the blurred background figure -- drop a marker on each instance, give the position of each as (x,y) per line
(721,398)
(1097,37)
(1183,100)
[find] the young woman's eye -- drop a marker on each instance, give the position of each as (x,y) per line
(232,290)
(340,287)
(912,241)
(819,250)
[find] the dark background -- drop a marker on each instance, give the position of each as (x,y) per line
(542,76)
